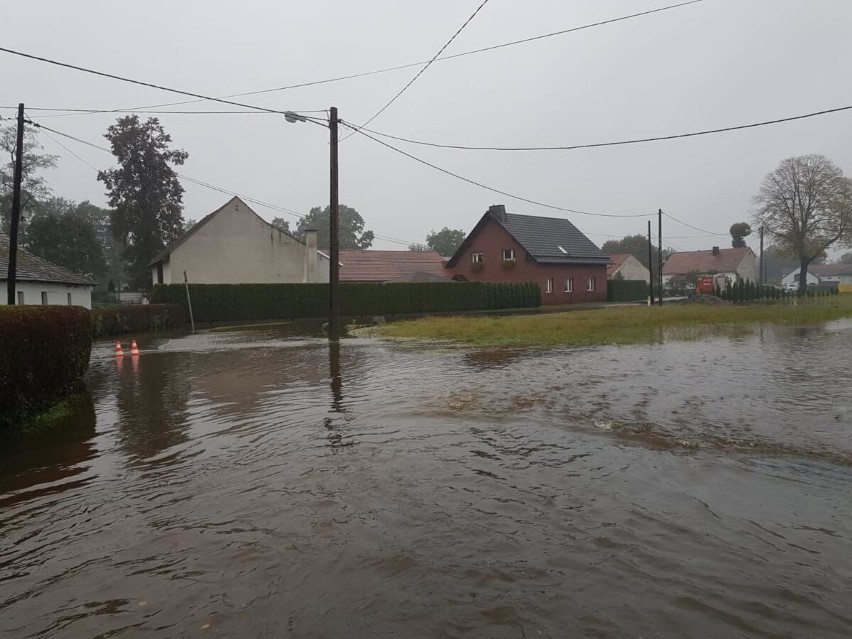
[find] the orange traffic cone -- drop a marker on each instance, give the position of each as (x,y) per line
(133,349)
(118,351)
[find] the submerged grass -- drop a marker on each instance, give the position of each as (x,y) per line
(617,325)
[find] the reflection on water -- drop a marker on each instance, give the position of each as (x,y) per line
(263,483)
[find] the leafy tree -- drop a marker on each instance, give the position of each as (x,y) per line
(64,234)
(637,246)
(446,241)
(188,224)
(351,228)
(33,186)
(806,205)
(846,258)
(281,224)
(419,248)
(144,191)
(739,232)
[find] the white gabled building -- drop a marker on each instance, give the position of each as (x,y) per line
(38,281)
(234,245)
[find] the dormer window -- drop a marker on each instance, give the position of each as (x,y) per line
(508,255)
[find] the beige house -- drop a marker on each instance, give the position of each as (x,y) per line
(625,266)
(735,263)
(234,245)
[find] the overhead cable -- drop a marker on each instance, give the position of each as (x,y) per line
(617,143)
(485,186)
(428,64)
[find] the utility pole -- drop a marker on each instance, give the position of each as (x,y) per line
(660,253)
(334,237)
(650,267)
(16,207)
(761,276)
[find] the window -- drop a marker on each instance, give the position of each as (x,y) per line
(21,298)
(508,255)
(549,285)
(590,285)
(559,246)
(44,297)
(569,285)
(69,299)
(476,258)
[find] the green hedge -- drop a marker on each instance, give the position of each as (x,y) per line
(626,290)
(236,302)
(130,318)
(44,353)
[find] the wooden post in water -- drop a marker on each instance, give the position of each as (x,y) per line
(16,209)
(188,301)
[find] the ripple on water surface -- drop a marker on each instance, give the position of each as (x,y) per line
(251,483)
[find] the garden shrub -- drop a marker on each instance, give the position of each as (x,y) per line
(136,318)
(626,290)
(44,353)
(238,302)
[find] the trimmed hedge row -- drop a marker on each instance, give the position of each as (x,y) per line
(235,302)
(130,318)
(748,291)
(626,290)
(44,353)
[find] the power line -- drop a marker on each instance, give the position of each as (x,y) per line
(139,82)
(687,224)
(484,186)
(618,143)
(207,185)
(66,112)
(439,59)
(421,71)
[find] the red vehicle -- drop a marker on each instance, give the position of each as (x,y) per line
(707,284)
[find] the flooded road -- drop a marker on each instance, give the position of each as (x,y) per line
(261,484)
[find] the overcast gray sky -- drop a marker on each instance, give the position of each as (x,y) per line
(712,64)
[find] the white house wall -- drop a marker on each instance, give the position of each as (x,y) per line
(57,294)
(237,247)
(633,269)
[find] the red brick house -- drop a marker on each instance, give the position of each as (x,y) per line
(507,247)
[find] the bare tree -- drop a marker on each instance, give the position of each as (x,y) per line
(33,187)
(806,205)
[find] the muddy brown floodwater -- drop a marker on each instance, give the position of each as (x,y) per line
(259,483)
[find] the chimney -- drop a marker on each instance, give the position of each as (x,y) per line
(498,211)
(716,250)
(311,256)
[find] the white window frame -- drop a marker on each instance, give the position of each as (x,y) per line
(477,258)
(569,285)
(509,255)
(590,284)
(548,285)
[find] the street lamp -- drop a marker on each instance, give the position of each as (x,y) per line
(334,237)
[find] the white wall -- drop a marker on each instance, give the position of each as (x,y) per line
(237,247)
(792,278)
(633,269)
(57,294)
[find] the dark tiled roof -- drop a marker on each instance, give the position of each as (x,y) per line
(541,237)
(548,240)
(387,266)
(727,261)
(30,268)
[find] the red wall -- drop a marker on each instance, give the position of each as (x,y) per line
(493,238)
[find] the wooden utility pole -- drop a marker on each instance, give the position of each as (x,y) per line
(650,267)
(334,236)
(761,277)
(188,302)
(16,207)
(660,253)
